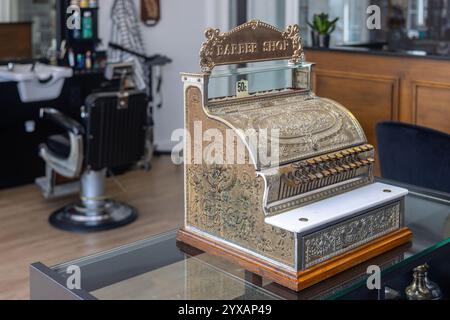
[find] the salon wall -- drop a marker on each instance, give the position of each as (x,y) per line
(179,35)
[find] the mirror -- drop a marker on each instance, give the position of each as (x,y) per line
(34,24)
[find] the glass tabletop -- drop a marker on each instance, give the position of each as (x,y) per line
(161,268)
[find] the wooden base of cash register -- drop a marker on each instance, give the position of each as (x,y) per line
(297,280)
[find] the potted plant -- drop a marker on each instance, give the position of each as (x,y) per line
(322,27)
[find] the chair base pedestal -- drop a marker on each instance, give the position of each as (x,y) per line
(78,217)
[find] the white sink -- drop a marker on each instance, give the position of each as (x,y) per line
(44,82)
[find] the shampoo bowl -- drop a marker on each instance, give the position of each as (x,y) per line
(36,82)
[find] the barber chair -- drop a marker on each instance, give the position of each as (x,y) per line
(111,134)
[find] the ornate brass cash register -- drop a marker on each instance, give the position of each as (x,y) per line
(298,212)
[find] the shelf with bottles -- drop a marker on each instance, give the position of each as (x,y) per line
(84,61)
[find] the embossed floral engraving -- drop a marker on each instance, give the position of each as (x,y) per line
(324,244)
(226,200)
(325,125)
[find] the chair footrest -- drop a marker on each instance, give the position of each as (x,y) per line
(59,190)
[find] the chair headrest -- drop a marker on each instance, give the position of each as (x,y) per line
(119,70)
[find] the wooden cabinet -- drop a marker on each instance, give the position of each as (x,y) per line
(15,39)
(431,104)
(380,87)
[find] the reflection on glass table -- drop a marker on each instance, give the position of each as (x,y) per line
(161,268)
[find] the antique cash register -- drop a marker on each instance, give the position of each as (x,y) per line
(300,203)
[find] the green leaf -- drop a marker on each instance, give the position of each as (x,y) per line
(332,29)
(322,24)
(316,20)
(334,21)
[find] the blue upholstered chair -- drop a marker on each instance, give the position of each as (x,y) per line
(414,155)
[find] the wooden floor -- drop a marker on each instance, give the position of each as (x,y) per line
(26,236)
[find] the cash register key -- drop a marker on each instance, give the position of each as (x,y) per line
(326,173)
(340,169)
(317,175)
(365,162)
(318,160)
(299,165)
(296,165)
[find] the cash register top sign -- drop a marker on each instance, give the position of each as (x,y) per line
(251,42)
